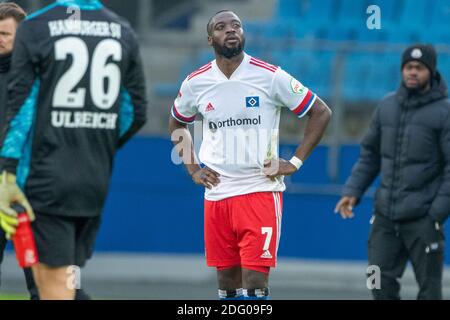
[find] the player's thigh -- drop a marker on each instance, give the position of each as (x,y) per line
(258,219)
(86,234)
(55,238)
(220,237)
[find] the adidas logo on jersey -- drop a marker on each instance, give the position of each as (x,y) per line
(209,108)
(266,255)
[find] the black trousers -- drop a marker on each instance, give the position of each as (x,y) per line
(390,246)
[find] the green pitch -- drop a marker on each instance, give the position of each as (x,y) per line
(5,296)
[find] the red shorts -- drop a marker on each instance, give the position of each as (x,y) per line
(243,230)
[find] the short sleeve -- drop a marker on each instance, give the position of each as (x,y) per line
(291,93)
(184,108)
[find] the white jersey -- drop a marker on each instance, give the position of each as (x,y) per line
(241,117)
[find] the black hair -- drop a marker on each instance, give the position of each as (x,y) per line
(209,26)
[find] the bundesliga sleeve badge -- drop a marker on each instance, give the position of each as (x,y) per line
(297,87)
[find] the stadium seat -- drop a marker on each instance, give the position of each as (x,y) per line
(309,12)
(353,11)
(385,78)
(403,22)
(372,35)
(171,89)
(289,8)
(389,10)
(341,33)
(413,12)
(405,36)
(439,16)
(313,69)
(444,67)
(355,78)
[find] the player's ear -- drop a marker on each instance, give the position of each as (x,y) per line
(210,41)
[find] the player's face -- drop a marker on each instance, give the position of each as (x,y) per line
(8,29)
(227,37)
(416,76)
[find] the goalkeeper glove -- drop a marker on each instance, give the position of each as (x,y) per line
(10,193)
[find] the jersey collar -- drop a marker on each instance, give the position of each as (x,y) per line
(236,72)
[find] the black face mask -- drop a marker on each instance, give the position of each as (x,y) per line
(229,53)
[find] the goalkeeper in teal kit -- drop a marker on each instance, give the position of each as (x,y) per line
(77,94)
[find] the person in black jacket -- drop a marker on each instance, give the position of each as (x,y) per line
(408,144)
(11,15)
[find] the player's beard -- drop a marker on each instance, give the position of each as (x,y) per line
(227,52)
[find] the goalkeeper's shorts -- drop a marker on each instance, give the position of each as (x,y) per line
(65,241)
(243,230)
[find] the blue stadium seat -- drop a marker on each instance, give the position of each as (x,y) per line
(444,67)
(439,16)
(372,35)
(442,37)
(355,78)
(289,8)
(405,36)
(309,12)
(413,12)
(311,68)
(258,29)
(341,33)
(352,10)
(366,75)
(364,79)
(389,10)
(190,65)
(385,77)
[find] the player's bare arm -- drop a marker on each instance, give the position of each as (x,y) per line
(181,137)
(319,117)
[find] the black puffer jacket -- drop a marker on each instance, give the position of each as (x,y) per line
(408,143)
(5,63)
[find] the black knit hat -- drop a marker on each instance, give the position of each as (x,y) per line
(424,53)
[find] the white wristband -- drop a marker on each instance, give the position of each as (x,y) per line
(296,162)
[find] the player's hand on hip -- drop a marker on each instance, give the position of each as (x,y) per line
(206,177)
(278,167)
(345,207)
(10,193)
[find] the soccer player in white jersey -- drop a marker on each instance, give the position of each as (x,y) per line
(240,99)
